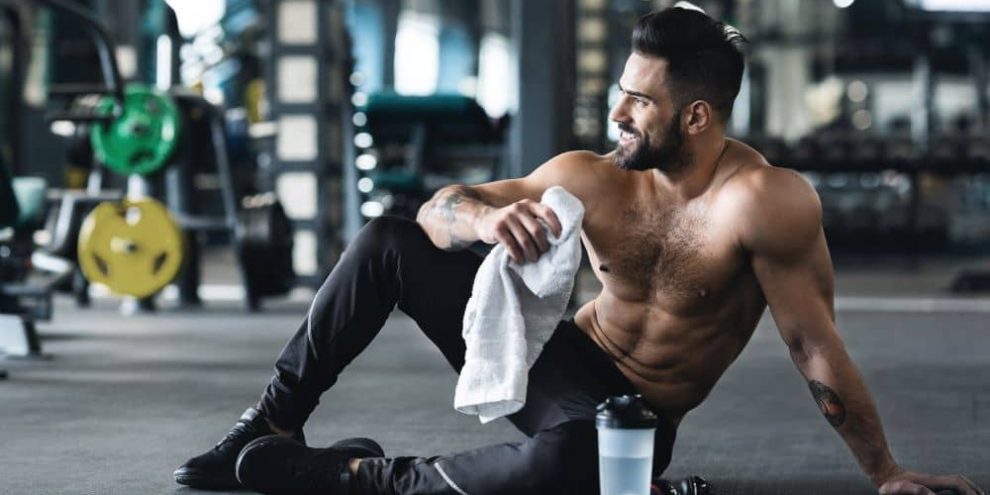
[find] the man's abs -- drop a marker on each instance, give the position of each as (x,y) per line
(674,361)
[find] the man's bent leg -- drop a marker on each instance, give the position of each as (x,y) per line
(562,459)
(391,261)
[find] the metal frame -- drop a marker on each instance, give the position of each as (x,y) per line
(330,165)
(104,48)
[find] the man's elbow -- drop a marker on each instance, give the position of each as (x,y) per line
(806,351)
(799,352)
(422,215)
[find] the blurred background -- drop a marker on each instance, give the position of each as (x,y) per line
(190,163)
(341,111)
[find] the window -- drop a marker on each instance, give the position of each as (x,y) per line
(417,54)
(496,86)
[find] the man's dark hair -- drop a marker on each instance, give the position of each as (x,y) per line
(704,56)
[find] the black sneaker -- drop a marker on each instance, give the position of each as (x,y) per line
(214,470)
(278,465)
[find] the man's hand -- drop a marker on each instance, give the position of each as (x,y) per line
(518,227)
(908,483)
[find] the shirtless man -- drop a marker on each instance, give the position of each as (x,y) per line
(692,235)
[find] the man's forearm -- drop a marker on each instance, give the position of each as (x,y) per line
(844,400)
(449,217)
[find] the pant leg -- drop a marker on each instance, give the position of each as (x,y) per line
(571,376)
(390,262)
(560,460)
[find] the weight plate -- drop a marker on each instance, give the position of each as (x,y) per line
(133,247)
(265,245)
(143,138)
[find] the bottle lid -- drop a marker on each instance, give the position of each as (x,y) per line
(625,412)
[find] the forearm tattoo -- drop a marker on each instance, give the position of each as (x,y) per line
(828,402)
(444,207)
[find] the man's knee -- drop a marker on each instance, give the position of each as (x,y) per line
(386,232)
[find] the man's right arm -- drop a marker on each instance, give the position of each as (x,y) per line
(507,212)
(449,218)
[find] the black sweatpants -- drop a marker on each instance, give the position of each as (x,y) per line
(392,262)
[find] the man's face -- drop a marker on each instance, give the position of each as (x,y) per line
(650,133)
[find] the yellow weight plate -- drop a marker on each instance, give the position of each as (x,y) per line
(134,247)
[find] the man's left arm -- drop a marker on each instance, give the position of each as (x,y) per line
(792,264)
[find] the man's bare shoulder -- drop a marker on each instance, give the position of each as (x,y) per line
(581,163)
(779,209)
(583,173)
(577,171)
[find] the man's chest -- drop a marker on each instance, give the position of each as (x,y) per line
(679,256)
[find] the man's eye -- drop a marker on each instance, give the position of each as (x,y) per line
(641,102)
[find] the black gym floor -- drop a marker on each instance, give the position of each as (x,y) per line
(124,400)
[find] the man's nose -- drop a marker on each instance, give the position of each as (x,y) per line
(618,112)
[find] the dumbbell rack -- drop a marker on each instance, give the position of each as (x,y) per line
(177,177)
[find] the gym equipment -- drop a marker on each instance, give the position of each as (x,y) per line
(265,262)
(15,337)
(694,485)
(133,247)
(21,208)
(448,118)
(165,142)
(424,143)
(142,136)
(30,193)
(264,243)
(25,296)
(66,213)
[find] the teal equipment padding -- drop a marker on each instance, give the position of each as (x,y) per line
(448,119)
(30,193)
(397,181)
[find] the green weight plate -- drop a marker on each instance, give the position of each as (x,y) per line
(142,139)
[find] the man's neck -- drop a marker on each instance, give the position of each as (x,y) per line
(693,179)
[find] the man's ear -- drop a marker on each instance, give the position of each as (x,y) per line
(698,116)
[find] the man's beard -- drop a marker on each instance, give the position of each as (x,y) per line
(668,157)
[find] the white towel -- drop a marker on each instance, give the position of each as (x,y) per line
(512,312)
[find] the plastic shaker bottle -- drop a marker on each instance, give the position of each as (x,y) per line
(625,445)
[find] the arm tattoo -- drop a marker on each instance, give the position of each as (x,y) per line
(445,209)
(454,198)
(828,402)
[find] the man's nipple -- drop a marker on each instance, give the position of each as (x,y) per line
(602,267)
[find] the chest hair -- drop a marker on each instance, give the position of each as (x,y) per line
(660,251)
